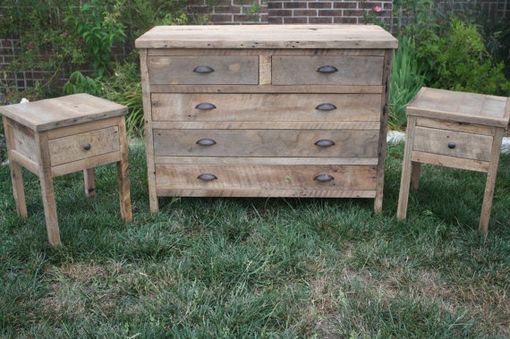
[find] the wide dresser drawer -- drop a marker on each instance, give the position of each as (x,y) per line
(265,180)
(204,70)
(266,143)
(327,70)
(265,107)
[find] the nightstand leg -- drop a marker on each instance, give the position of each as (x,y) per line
(50,207)
(18,190)
(415,175)
(491,181)
(405,181)
(89,179)
(122,175)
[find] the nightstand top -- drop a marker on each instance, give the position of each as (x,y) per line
(48,114)
(461,107)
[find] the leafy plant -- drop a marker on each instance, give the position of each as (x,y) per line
(81,83)
(406,81)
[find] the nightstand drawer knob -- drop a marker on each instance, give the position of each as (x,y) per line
(203,69)
(206,142)
(326,69)
(205,106)
(326,107)
(324,178)
(451,145)
(87,147)
(325,143)
(207,177)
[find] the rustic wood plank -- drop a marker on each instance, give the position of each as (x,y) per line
(268,36)
(79,165)
(241,125)
(465,145)
(149,140)
(405,179)
(123,176)
(266,193)
(80,128)
(89,179)
(456,126)
(447,161)
(76,147)
(264,70)
(491,181)
(266,161)
(265,89)
(303,70)
(264,52)
(25,162)
(176,70)
(23,140)
(284,143)
(18,189)
(265,107)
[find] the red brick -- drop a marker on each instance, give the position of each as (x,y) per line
(320,20)
(220,18)
(345,5)
(272,4)
(227,9)
(199,10)
(246,18)
(341,20)
(294,4)
(330,12)
(353,12)
(275,20)
(280,12)
(304,12)
(319,5)
(294,20)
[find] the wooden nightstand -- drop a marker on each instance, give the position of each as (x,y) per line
(63,135)
(454,129)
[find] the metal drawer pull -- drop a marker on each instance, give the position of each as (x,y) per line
(203,69)
(324,178)
(206,142)
(325,143)
(87,147)
(205,106)
(451,145)
(327,69)
(207,177)
(326,107)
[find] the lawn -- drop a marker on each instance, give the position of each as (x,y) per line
(258,267)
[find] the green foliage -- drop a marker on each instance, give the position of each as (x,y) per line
(406,81)
(81,83)
(459,61)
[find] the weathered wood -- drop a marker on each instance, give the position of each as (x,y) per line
(454,144)
(80,128)
(452,162)
(368,89)
(455,126)
(351,70)
(415,175)
(266,143)
(25,162)
(89,179)
(123,177)
(268,36)
(178,70)
(491,181)
(266,193)
(266,161)
(266,177)
(68,110)
(268,125)
(76,166)
(265,107)
(264,52)
(264,69)
(149,141)
(405,180)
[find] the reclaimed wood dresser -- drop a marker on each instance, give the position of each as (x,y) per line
(266,111)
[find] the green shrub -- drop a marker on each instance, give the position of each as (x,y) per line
(406,81)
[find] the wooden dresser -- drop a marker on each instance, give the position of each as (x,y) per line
(266,111)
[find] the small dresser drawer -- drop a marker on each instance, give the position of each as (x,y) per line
(266,143)
(327,70)
(302,180)
(204,70)
(265,107)
(84,145)
(451,143)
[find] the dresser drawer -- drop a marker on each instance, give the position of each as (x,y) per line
(298,180)
(84,145)
(265,107)
(327,70)
(266,143)
(451,143)
(204,70)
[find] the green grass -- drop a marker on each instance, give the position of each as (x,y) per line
(258,267)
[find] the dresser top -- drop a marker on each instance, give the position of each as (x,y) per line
(64,111)
(461,107)
(268,36)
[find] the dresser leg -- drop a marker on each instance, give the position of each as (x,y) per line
(491,182)
(124,191)
(18,190)
(415,175)
(50,207)
(405,180)
(90,182)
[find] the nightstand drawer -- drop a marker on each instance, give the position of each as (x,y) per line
(84,145)
(266,143)
(265,107)
(204,70)
(451,143)
(327,70)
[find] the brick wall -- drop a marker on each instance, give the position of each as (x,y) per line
(229,11)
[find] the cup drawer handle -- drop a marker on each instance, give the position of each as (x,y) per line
(207,177)
(327,69)
(206,142)
(325,143)
(87,147)
(202,69)
(324,178)
(326,107)
(452,145)
(205,106)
